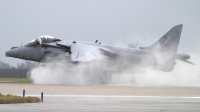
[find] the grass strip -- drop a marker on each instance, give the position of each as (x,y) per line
(10,99)
(15,80)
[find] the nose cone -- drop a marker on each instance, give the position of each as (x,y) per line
(13,53)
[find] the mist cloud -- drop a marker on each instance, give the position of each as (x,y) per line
(96,72)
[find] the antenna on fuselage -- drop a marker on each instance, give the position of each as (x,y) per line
(96,41)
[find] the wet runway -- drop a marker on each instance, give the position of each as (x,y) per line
(109,98)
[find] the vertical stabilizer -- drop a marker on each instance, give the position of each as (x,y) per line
(169,42)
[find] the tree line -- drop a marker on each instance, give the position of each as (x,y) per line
(23,65)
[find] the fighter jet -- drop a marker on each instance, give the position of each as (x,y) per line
(159,56)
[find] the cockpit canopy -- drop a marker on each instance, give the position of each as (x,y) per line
(42,39)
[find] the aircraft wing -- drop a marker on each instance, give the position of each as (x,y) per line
(85,52)
(108,52)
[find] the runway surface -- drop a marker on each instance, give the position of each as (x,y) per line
(109,98)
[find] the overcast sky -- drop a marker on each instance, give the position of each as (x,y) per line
(114,22)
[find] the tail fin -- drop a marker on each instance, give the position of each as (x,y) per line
(169,42)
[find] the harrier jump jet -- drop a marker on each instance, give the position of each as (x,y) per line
(160,56)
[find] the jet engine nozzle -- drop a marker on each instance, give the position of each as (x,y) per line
(38,42)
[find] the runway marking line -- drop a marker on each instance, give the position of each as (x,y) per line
(115,96)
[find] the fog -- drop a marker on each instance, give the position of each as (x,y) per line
(183,75)
(97,72)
